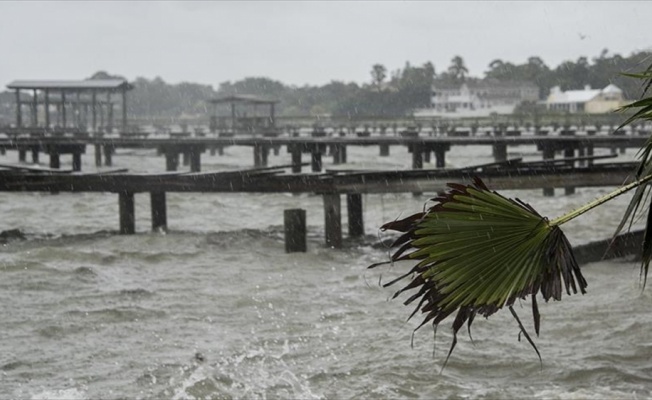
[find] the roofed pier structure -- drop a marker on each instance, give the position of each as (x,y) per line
(71,101)
(244,115)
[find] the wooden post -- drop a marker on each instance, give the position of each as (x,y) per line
(34,109)
(124,109)
(548,154)
(440,156)
(186,157)
(22,155)
(333,220)
(98,155)
(63,109)
(258,161)
(316,160)
(76,161)
(294,221)
(295,150)
(55,162)
(417,156)
(569,153)
(94,110)
(127,213)
(171,160)
(47,109)
(19,114)
(500,152)
(35,155)
(384,150)
(159,212)
(108,152)
(354,209)
(195,159)
(426,154)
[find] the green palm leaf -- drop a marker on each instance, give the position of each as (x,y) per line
(642,111)
(478,252)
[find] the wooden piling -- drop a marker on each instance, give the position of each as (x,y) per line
(440,156)
(195,160)
(98,155)
(417,156)
(171,160)
(22,155)
(333,220)
(569,153)
(384,150)
(500,152)
(127,213)
(294,221)
(548,154)
(55,161)
(316,160)
(159,211)
(108,153)
(354,209)
(76,161)
(35,155)
(295,151)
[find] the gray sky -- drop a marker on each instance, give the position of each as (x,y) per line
(303,42)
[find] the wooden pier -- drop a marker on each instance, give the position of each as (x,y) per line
(511,174)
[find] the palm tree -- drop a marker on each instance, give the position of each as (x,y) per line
(478,251)
(457,68)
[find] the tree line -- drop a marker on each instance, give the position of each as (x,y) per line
(387,93)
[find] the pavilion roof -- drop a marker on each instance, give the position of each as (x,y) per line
(242,98)
(90,84)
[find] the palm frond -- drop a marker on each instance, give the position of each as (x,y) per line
(479,252)
(642,112)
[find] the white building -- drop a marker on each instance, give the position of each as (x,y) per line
(478,98)
(590,101)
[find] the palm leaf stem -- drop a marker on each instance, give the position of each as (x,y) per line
(595,203)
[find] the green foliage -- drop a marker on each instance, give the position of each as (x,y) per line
(479,252)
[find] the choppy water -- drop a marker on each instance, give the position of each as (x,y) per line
(216,309)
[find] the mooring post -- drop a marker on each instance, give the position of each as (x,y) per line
(76,161)
(159,211)
(333,220)
(127,213)
(354,209)
(548,154)
(294,221)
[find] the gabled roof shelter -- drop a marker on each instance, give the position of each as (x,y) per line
(240,120)
(66,94)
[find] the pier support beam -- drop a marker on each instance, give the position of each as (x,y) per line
(354,209)
(22,155)
(333,220)
(127,213)
(295,151)
(417,156)
(261,155)
(108,153)
(316,160)
(500,152)
(384,150)
(159,211)
(55,161)
(440,155)
(294,222)
(76,161)
(171,160)
(569,153)
(35,155)
(98,155)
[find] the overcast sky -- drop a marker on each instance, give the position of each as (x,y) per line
(303,42)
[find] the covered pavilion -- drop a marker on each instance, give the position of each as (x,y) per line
(245,113)
(71,98)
